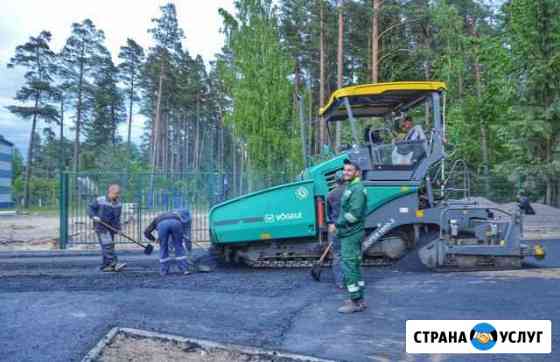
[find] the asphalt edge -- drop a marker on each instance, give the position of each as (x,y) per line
(103,342)
(73,253)
(61,253)
(95,352)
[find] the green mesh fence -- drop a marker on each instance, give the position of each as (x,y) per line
(144,196)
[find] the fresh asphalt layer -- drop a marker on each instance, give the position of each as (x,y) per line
(57,308)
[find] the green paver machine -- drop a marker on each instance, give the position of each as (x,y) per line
(411,219)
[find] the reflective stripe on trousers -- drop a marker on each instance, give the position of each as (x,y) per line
(170,231)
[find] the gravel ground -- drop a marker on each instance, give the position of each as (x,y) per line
(57,309)
(125,347)
(35,232)
(28,232)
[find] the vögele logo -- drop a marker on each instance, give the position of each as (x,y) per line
(483,336)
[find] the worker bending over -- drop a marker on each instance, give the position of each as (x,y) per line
(350,229)
(105,211)
(175,226)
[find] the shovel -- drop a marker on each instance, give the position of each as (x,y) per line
(316,268)
(148,248)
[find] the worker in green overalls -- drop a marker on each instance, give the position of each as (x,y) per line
(350,229)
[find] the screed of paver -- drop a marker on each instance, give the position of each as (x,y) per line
(141,349)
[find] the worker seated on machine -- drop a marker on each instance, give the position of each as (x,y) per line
(409,143)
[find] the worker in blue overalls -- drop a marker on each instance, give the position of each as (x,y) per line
(175,226)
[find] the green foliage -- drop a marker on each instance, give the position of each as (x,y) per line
(108,107)
(37,92)
(43,192)
(256,79)
(17,164)
(500,60)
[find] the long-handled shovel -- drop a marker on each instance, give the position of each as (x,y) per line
(316,268)
(148,248)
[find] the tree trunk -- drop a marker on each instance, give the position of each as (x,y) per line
(30,155)
(234,167)
(222,170)
(61,151)
(156,126)
(375,41)
(322,127)
(78,120)
(197,134)
(427,106)
(482,122)
(548,179)
(340,63)
(188,142)
(113,124)
(184,144)
(130,109)
(297,81)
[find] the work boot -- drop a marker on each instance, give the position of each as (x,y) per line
(204,268)
(187,272)
(351,307)
(114,267)
(363,304)
(107,268)
(191,268)
(119,266)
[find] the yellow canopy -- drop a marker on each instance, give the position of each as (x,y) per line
(378,99)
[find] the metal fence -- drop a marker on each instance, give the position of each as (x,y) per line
(143,195)
(499,188)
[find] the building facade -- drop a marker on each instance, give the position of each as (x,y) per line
(6,151)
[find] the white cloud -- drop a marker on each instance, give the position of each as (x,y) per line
(119,19)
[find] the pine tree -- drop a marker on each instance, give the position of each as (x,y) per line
(39,60)
(107,106)
(167,36)
(81,55)
(132,59)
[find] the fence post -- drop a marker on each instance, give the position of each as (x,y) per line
(140,204)
(63,210)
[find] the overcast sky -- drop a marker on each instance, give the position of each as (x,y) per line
(119,19)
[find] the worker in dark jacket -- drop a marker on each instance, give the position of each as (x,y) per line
(350,229)
(174,225)
(105,211)
(333,211)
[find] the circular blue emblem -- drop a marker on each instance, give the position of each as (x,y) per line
(483,336)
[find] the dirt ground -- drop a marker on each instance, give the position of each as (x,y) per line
(38,232)
(548,273)
(140,349)
(28,232)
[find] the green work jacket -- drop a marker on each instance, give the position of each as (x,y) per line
(353,209)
